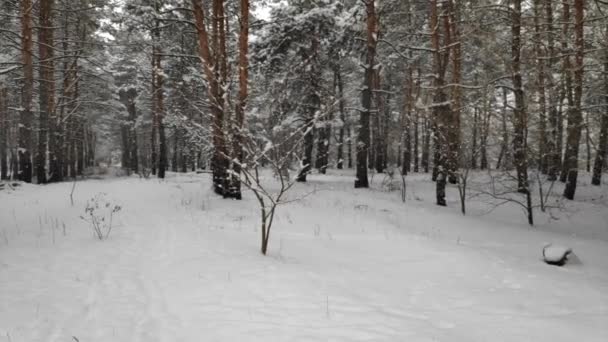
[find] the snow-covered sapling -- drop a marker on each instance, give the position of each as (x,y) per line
(99,213)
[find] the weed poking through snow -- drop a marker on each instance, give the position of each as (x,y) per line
(99,213)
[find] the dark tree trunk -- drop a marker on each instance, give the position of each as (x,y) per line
(26,116)
(309,140)
(473,164)
(519,112)
(568,94)
(349,144)
(504,157)
(322,147)
(575,116)
(340,155)
(3,133)
(602,147)
(238,138)
(363,138)
(46,88)
(157,88)
(426,145)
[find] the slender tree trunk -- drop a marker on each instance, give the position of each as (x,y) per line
(242,96)
(157,92)
(363,138)
(520,119)
(426,145)
(442,114)
(504,157)
(155,110)
(554,152)
(46,88)
(568,92)
(349,145)
(540,88)
(314,104)
(407,122)
(378,133)
(485,131)
(453,127)
(3,132)
(26,115)
(575,116)
(602,147)
(340,155)
(473,164)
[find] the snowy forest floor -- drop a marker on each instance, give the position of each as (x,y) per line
(344,265)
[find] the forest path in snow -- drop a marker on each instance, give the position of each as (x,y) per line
(344,265)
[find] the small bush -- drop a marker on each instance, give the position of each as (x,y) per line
(99,213)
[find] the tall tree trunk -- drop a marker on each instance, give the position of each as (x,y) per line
(313,102)
(406,122)
(159,95)
(575,116)
(3,132)
(441,107)
(26,117)
(485,130)
(602,147)
(520,119)
(363,138)
(219,162)
(567,91)
(426,145)
(453,40)
(475,129)
(504,157)
(540,88)
(378,133)
(554,150)
(340,155)
(349,145)
(155,113)
(46,89)
(242,96)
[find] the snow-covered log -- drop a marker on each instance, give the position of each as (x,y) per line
(556,255)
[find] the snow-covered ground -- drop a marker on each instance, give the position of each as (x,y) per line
(344,265)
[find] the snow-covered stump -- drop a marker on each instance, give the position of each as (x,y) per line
(556,255)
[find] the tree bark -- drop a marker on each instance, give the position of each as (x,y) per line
(554,149)
(3,132)
(602,147)
(340,154)
(211,65)
(520,119)
(455,44)
(543,156)
(46,88)
(575,116)
(363,138)
(567,90)
(242,97)
(441,105)
(24,150)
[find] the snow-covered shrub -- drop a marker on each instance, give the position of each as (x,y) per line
(99,213)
